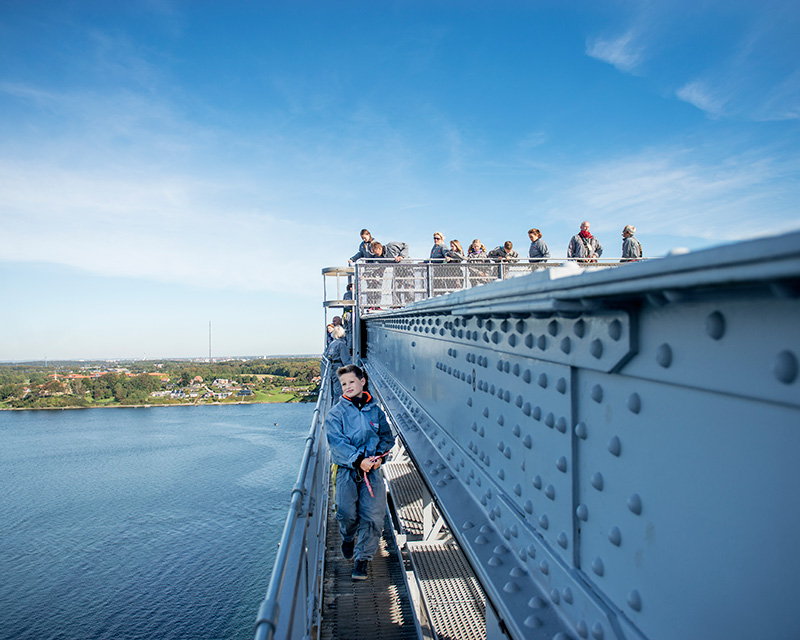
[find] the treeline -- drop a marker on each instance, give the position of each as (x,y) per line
(44,391)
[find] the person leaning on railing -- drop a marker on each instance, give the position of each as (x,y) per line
(397,251)
(505,253)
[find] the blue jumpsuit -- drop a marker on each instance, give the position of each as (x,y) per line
(354,433)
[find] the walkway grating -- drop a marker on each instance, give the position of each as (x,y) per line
(378,608)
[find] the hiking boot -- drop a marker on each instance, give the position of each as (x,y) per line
(347,549)
(360,570)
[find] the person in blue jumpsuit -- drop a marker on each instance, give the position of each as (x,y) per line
(358,435)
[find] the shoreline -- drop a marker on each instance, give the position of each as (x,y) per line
(144,406)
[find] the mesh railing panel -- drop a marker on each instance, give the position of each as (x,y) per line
(389,285)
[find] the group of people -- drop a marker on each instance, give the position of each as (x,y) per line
(356,427)
(583,246)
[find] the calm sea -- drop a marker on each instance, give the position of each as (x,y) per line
(157,523)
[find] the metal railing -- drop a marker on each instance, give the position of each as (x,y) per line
(386,284)
(291,608)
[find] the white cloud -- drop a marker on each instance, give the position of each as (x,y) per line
(679,192)
(700,95)
(622,52)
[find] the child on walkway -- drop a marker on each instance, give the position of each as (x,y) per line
(358,436)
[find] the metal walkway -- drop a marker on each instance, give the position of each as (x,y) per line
(441,589)
(379,607)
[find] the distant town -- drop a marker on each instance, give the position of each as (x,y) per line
(60,385)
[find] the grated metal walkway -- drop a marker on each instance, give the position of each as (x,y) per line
(378,608)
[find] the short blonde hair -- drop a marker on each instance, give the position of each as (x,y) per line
(338,332)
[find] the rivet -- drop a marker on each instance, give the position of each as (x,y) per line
(544,522)
(526,441)
(566,345)
(581,431)
(582,512)
(615,536)
(580,328)
(634,403)
(615,446)
(567,593)
(715,325)
(596,348)
(561,424)
(467,526)
(518,489)
(469,402)
(550,420)
(597,481)
(532,622)
(485,412)
(517,430)
(561,386)
(501,474)
(542,380)
(481,539)
(537,413)
(597,631)
(494,561)
(635,600)
(561,636)
(526,408)
(528,506)
(552,328)
(597,393)
(537,481)
(563,541)
(544,567)
(541,342)
(511,587)
(635,504)
(536,603)
(597,566)
(615,330)
(582,628)
(517,572)
(501,420)
(526,375)
(785,367)
(561,464)
(555,596)
(531,551)
(550,491)
(519,400)
(664,355)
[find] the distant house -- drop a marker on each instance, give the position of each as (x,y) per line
(197,379)
(245,392)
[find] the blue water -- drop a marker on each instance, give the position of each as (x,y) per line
(157,523)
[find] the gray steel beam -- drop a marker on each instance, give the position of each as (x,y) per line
(614,451)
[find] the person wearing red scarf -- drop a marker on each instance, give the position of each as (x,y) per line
(584,246)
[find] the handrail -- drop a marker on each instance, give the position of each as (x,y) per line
(269,612)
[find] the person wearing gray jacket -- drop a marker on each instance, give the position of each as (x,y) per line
(394,250)
(631,248)
(538,249)
(584,245)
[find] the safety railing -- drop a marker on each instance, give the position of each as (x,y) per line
(291,608)
(386,284)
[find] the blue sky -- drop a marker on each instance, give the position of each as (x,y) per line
(166,164)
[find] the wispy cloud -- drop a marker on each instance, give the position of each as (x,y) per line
(700,95)
(624,52)
(675,192)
